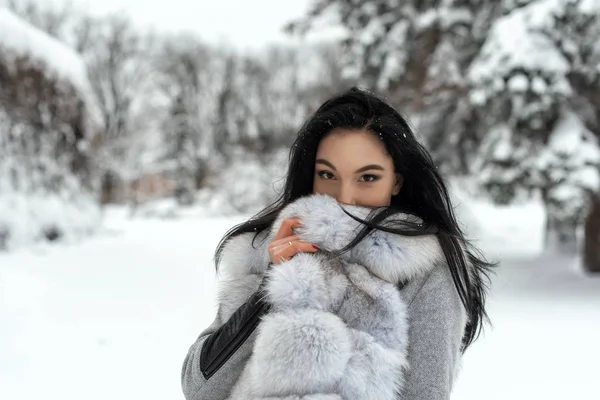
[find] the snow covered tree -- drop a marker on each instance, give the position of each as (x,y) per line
(238,105)
(320,74)
(225,98)
(272,83)
(527,89)
(181,150)
(49,130)
(259,105)
(118,57)
(52,19)
(120,72)
(189,79)
(576,38)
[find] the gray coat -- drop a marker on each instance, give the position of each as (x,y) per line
(338,328)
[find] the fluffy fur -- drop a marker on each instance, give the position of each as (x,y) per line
(338,326)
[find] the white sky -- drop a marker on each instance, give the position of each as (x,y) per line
(241,23)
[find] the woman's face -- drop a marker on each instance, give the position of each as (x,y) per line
(354,167)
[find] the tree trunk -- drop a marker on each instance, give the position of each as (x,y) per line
(560,236)
(591,249)
(408,91)
(561,233)
(108,186)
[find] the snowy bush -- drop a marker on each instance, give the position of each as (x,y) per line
(48,124)
(242,186)
(29,218)
(250,183)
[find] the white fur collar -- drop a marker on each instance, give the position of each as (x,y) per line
(391,257)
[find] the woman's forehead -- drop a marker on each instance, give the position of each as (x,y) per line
(359,145)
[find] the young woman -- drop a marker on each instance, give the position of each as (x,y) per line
(357,283)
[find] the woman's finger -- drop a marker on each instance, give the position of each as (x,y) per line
(283,241)
(293,247)
(288,251)
(303,247)
(287,228)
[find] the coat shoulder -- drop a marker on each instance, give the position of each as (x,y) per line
(437,283)
(244,261)
(243,255)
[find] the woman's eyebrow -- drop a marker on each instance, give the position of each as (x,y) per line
(325,162)
(369,167)
(362,169)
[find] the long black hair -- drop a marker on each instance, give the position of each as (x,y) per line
(423,194)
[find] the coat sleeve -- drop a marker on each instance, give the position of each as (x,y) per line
(437,319)
(217,358)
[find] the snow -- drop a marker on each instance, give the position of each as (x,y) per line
(113,317)
(25,216)
(544,341)
(518,83)
(447,15)
(571,138)
(110,318)
(497,228)
(515,43)
(51,55)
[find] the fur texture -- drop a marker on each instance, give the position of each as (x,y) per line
(338,326)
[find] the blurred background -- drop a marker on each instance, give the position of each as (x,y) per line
(134,133)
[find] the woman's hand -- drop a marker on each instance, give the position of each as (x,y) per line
(286,245)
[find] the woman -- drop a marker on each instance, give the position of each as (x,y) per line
(357,283)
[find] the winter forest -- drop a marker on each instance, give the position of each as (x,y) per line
(126,152)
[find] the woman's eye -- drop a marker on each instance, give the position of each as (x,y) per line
(326,175)
(369,178)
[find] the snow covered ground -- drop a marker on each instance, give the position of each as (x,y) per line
(112,317)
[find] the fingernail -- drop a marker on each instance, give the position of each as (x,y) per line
(316,248)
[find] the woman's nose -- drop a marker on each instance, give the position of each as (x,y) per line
(346,196)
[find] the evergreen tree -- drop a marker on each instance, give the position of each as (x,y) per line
(526,90)
(181,151)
